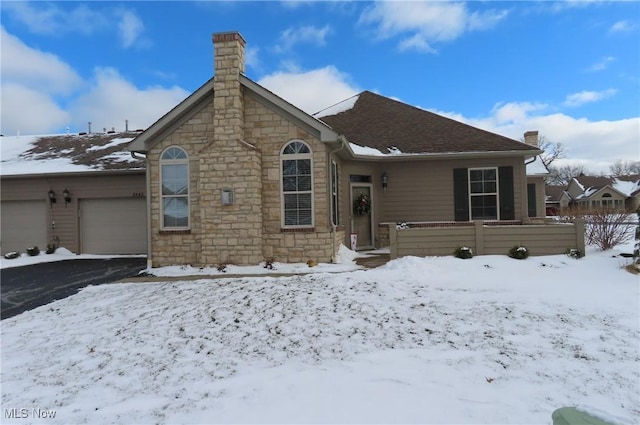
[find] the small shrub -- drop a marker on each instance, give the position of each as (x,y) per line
(269,264)
(519,252)
(463,252)
(574,253)
(222,268)
(50,249)
(33,251)
(11,255)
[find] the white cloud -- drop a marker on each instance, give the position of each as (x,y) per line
(312,90)
(622,26)
(416,42)
(602,64)
(43,94)
(28,111)
(26,66)
(49,18)
(594,144)
(111,100)
(130,27)
(427,22)
(303,35)
(586,96)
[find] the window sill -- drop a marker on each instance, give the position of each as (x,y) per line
(298,230)
(175,232)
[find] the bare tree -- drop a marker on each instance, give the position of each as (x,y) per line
(604,228)
(624,168)
(563,175)
(552,150)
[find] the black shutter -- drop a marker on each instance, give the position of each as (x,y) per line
(505,176)
(461,194)
(531,200)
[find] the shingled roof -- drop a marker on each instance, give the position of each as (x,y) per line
(67,153)
(391,126)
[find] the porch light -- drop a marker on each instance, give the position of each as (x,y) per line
(52,197)
(67,196)
(385,181)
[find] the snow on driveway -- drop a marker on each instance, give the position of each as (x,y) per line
(420,340)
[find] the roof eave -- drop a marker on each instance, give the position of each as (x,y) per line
(444,155)
(145,141)
(83,173)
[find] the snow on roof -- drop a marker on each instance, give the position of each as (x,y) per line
(339,107)
(66,153)
(365,150)
(626,187)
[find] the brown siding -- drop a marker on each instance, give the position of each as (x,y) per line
(422,191)
(81,186)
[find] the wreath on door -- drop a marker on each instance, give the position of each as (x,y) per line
(362,205)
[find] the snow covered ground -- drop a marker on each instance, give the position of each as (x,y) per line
(61,254)
(420,340)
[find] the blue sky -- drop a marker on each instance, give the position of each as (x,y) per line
(570,70)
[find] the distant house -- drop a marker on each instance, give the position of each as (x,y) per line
(82,192)
(622,193)
(236,174)
(556,199)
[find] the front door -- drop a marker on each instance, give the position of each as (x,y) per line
(362,218)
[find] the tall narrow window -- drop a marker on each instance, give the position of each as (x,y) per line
(483,193)
(297,185)
(174,174)
(335,217)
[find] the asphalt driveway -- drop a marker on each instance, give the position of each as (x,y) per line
(27,287)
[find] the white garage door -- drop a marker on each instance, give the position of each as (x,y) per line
(113,226)
(24,224)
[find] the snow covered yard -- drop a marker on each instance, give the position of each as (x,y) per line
(420,340)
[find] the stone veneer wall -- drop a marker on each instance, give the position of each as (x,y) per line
(181,247)
(271,132)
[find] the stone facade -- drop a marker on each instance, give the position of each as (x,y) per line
(235,142)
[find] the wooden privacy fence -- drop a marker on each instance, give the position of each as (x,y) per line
(433,239)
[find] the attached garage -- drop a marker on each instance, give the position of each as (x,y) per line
(113,226)
(24,224)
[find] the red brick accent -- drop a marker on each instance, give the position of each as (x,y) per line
(228,36)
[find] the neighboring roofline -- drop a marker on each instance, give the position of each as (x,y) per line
(624,195)
(327,134)
(166,123)
(84,173)
(444,155)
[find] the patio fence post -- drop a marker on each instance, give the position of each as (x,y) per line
(393,242)
(579,225)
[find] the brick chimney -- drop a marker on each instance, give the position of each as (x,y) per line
(228,64)
(231,232)
(531,138)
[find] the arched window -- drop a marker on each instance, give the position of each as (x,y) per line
(297,185)
(174,175)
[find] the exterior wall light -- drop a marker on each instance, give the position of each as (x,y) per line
(52,197)
(67,197)
(385,181)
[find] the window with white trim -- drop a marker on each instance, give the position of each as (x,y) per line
(483,193)
(297,185)
(174,177)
